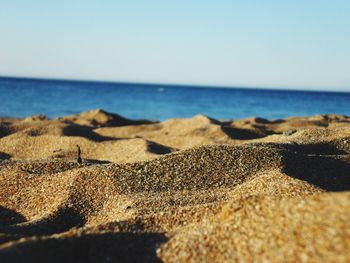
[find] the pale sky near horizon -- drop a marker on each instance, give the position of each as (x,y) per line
(272,43)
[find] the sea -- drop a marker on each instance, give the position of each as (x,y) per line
(21,97)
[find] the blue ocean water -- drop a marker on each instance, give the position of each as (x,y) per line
(24,97)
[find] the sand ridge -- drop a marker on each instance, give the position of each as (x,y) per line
(182,190)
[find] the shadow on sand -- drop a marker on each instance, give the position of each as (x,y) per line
(63,220)
(4,156)
(85,131)
(243,134)
(10,217)
(319,165)
(110,247)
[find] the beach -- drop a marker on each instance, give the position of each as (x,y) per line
(98,187)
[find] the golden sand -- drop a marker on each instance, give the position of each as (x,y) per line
(182,190)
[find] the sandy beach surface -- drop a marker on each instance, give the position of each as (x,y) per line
(182,190)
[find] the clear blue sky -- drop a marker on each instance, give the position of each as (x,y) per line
(262,43)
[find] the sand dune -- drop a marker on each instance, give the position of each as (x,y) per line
(197,189)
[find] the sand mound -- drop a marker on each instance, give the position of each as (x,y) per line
(101,118)
(193,189)
(314,228)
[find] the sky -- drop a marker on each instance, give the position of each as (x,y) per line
(294,44)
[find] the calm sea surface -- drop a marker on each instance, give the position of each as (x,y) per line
(23,97)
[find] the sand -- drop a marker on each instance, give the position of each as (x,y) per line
(182,190)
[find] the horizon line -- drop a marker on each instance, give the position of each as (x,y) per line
(209,86)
